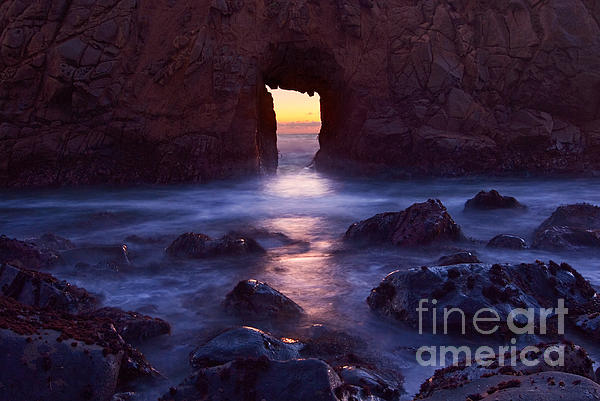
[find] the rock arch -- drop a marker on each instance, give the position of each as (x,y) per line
(126,91)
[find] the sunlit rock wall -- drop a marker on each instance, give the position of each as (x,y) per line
(126,91)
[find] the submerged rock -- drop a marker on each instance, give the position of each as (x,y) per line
(108,257)
(472,287)
(62,357)
(570,227)
(507,381)
(458,258)
(492,200)
(243,342)
(42,290)
(589,323)
(507,241)
(198,246)
(26,254)
(252,298)
(421,224)
(134,327)
(52,242)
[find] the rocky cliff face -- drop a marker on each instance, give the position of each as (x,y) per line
(122,91)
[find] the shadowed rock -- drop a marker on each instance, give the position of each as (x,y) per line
(42,290)
(254,299)
(243,342)
(492,200)
(108,257)
(26,254)
(52,242)
(458,258)
(472,287)
(63,357)
(133,327)
(199,246)
(421,224)
(506,381)
(570,227)
(507,241)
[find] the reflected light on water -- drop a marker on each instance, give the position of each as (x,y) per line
(307,184)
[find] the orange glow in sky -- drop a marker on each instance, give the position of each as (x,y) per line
(297,113)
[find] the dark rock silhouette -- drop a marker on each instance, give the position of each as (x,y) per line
(420,224)
(570,227)
(254,299)
(26,254)
(172,91)
(492,200)
(458,258)
(198,246)
(507,241)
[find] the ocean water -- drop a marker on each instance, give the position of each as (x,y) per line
(330,281)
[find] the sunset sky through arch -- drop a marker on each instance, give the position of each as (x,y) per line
(297,113)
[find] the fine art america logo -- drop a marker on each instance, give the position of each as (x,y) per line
(487,322)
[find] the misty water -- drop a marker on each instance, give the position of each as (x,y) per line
(330,281)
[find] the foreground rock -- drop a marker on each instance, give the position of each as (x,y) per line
(458,258)
(504,382)
(132,326)
(42,290)
(254,299)
(199,246)
(471,287)
(507,241)
(570,227)
(421,224)
(246,362)
(492,200)
(63,357)
(26,254)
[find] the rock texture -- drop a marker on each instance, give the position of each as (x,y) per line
(199,246)
(168,91)
(507,241)
(472,287)
(420,224)
(570,227)
(492,200)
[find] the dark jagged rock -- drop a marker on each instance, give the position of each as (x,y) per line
(492,200)
(44,291)
(589,323)
(254,299)
(52,242)
(458,258)
(173,91)
(198,246)
(421,224)
(134,327)
(243,342)
(471,287)
(108,257)
(63,357)
(368,384)
(570,227)
(26,254)
(261,379)
(504,381)
(336,347)
(507,241)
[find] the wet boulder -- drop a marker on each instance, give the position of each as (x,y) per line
(420,224)
(367,383)
(495,379)
(255,299)
(262,379)
(507,241)
(472,287)
(132,326)
(199,246)
(570,227)
(57,356)
(42,290)
(492,200)
(106,257)
(458,258)
(243,342)
(52,242)
(26,254)
(589,323)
